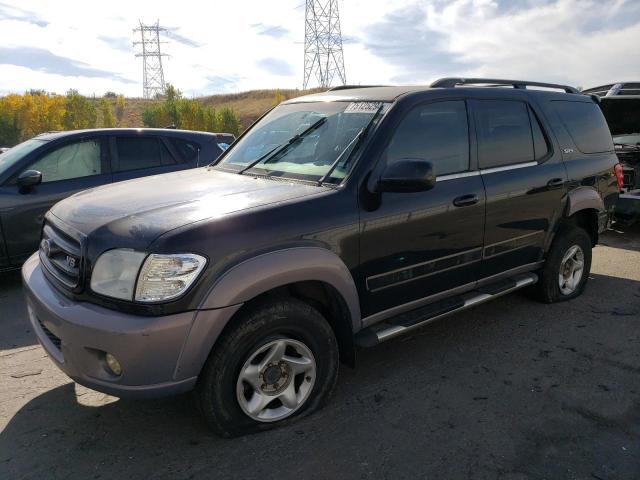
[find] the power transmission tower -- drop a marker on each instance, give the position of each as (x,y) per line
(152,74)
(323,43)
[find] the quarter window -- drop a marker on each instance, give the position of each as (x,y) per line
(586,125)
(76,160)
(504,133)
(187,150)
(437,132)
(135,153)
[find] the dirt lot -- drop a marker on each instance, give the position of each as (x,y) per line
(510,390)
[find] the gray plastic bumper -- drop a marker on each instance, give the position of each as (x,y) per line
(159,355)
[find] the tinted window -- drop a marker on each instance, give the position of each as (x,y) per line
(81,159)
(586,125)
(437,132)
(504,133)
(540,146)
(188,151)
(135,153)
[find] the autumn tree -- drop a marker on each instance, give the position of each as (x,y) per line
(120,104)
(228,121)
(108,120)
(80,113)
(172,97)
(278,98)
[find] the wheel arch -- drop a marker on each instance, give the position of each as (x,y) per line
(584,206)
(312,274)
(583,198)
(279,268)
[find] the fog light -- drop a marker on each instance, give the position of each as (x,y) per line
(113,364)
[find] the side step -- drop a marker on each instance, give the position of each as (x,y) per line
(408,321)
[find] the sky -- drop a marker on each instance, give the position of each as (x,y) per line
(224,46)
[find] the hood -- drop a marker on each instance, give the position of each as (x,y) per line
(142,209)
(622,114)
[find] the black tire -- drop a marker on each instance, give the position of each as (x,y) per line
(260,324)
(547,289)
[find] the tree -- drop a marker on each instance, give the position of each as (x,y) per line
(120,104)
(171,98)
(210,120)
(279,97)
(9,130)
(189,114)
(108,120)
(80,113)
(155,115)
(228,121)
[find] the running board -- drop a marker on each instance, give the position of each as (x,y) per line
(408,321)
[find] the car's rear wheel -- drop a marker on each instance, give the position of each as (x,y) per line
(567,267)
(277,362)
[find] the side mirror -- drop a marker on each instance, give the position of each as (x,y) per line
(29,178)
(407,175)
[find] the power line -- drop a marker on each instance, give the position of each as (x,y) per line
(323,55)
(152,73)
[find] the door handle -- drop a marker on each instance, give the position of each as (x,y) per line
(555,183)
(466,200)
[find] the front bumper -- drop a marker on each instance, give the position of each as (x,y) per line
(159,355)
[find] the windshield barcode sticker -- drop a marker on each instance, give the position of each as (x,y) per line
(362,107)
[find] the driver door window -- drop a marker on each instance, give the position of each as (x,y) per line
(437,132)
(76,160)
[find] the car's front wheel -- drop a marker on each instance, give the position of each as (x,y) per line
(278,361)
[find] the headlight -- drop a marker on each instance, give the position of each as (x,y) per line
(164,277)
(115,273)
(160,278)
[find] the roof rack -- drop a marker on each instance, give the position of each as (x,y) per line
(349,87)
(454,82)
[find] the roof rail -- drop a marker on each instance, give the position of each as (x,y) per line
(454,82)
(48,132)
(349,87)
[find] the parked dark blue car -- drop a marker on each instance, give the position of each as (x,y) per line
(39,172)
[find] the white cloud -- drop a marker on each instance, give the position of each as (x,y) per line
(580,42)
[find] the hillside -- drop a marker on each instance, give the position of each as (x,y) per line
(248,105)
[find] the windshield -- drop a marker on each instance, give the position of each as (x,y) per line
(313,155)
(17,153)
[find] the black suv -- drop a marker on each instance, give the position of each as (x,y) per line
(39,172)
(339,219)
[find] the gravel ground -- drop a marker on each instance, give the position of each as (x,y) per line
(510,390)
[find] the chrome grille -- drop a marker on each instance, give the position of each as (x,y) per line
(60,254)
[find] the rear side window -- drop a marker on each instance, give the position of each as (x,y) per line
(438,132)
(135,153)
(504,133)
(586,125)
(188,151)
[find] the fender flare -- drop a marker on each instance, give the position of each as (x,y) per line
(583,198)
(249,279)
(267,271)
